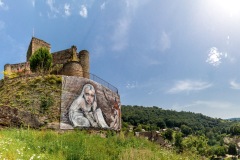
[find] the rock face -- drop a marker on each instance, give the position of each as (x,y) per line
(32,101)
(15,118)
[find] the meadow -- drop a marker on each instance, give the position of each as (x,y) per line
(28,144)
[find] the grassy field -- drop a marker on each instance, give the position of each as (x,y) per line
(16,144)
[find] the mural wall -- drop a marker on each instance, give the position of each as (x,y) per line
(87,104)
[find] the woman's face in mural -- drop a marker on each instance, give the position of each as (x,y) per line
(89,95)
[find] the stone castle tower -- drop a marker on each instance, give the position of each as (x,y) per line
(34,45)
(65,62)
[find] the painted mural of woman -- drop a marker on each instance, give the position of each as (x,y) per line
(84,112)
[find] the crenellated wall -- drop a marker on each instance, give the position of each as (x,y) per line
(20,68)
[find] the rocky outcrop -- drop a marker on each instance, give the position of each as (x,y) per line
(15,118)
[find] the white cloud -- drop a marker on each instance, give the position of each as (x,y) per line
(131,85)
(67,9)
(54,10)
(51,4)
(3,5)
(234,85)
(33,3)
(188,85)
(120,36)
(165,41)
(214,57)
(103,6)
(83,11)
(161,42)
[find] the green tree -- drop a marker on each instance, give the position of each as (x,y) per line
(178,141)
(161,124)
(186,130)
(168,134)
(220,151)
(41,60)
(235,129)
(232,149)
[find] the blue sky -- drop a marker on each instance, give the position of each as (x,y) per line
(179,55)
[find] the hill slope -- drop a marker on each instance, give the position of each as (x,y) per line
(153,118)
(36,97)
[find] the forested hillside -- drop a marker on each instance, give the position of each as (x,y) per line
(186,131)
(154,118)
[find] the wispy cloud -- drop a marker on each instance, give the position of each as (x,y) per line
(33,3)
(234,85)
(163,42)
(188,85)
(54,10)
(67,9)
(3,5)
(103,6)
(83,11)
(120,34)
(131,85)
(51,4)
(214,57)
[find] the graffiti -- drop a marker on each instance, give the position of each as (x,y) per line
(87,104)
(115,116)
(83,112)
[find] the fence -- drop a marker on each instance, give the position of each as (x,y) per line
(103,82)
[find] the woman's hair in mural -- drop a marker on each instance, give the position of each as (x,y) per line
(83,112)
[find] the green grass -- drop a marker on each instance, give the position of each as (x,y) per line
(32,144)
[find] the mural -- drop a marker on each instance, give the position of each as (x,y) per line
(87,104)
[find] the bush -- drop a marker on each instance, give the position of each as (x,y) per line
(46,102)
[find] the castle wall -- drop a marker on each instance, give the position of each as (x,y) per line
(62,57)
(20,68)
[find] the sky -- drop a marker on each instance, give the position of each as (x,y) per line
(177,55)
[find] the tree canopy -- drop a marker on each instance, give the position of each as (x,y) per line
(41,60)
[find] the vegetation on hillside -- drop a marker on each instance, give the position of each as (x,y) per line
(185,131)
(40,95)
(33,144)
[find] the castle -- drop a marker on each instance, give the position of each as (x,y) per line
(65,62)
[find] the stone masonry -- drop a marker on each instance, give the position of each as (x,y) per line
(68,61)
